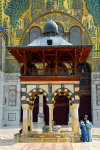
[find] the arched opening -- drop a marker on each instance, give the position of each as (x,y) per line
(84,70)
(45,110)
(34,33)
(61,110)
(75,36)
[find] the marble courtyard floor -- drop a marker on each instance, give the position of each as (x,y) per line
(7,142)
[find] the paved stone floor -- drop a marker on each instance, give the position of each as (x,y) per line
(7,142)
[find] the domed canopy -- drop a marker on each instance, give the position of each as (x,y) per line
(1,28)
(50,26)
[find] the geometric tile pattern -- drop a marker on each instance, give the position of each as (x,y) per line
(12,95)
(11,117)
(96,76)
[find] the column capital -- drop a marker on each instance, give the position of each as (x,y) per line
(75,106)
(50,105)
(31,107)
(25,106)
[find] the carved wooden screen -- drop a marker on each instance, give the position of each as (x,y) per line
(75,36)
(35,32)
(84,70)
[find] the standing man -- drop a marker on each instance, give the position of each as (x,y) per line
(85,119)
(89,134)
(83,131)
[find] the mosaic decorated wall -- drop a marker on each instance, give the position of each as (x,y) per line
(19,15)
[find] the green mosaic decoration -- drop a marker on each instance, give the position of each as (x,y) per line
(95,65)
(93,7)
(14,9)
(12,66)
(1,12)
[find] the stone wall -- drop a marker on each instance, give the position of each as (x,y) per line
(13,100)
(95,97)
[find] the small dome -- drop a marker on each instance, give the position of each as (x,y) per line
(1,28)
(50,26)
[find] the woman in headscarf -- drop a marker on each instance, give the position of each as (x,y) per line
(83,131)
(89,134)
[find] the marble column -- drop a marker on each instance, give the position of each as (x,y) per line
(40,114)
(72,119)
(50,116)
(30,117)
(25,118)
(52,113)
(75,117)
(70,115)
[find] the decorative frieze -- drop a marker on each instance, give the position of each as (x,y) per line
(98,94)
(96,76)
(12,95)
(12,77)
(2,75)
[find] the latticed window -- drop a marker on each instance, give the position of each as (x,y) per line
(35,32)
(75,36)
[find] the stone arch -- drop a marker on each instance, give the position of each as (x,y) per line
(63,16)
(34,93)
(63,91)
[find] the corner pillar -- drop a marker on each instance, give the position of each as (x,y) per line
(30,117)
(25,118)
(75,119)
(51,106)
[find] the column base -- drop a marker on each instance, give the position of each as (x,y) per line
(40,118)
(70,120)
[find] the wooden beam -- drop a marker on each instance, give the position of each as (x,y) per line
(49,78)
(75,62)
(56,63)
(60,55)
(25,62)
(40,55)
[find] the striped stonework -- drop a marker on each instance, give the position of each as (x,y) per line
(23,97)
(76,89)
(34,93)
(65,92)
